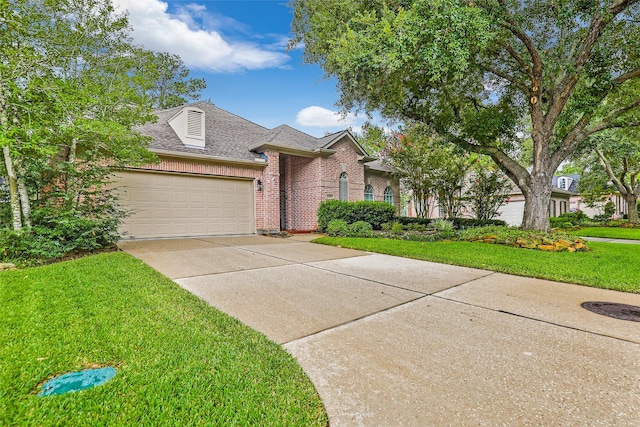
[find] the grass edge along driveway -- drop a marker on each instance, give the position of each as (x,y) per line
(606,265)
(179,361)
(608,232)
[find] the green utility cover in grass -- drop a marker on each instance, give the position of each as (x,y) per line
(76,381)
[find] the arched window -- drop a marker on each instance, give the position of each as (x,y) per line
(388,195)
(344,187)
(368,193)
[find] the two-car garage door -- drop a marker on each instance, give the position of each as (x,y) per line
(174,205)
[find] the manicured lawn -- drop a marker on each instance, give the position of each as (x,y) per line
(179,361)
(609,232)
(606,265)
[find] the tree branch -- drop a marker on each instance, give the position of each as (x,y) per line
(507,77)
(607,167)
(536,59)
(627,76)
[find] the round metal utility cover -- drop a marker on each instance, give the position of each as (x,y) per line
(76,381)
(615,310)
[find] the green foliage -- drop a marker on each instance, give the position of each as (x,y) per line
(609,209)
(569,220)
(337,227)
(487,190)
(429,167)
(167,83)
(459,223)
(397,228)
(74,90)
(360,229)
(483,74)
(442,225)
(416,227)
(56,233)
(375,213)
(528,239)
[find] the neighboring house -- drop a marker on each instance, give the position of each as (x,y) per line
(512,212)
(570,183)
(222,174)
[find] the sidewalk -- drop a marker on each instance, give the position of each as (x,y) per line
(608,240)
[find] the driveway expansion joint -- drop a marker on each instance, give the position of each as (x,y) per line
(535,319)
(357,319)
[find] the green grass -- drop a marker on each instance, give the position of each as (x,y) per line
(606,265)
(609,232)
(179,361)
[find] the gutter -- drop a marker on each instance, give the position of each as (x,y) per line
(259,162)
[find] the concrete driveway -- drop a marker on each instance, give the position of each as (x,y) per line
(390,341)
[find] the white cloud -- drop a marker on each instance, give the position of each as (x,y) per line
(199,48)
(322,117)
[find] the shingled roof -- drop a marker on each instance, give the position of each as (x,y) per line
(232,137)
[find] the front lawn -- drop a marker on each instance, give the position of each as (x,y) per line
(609,232)
(179,361)
(606,265)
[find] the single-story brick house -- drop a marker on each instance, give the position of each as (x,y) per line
(221,174)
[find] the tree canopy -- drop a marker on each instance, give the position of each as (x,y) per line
(484,73)
(72,92)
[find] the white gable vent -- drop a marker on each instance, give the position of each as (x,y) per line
(195,123)
(188,125)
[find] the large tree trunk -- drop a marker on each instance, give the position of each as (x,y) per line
(632,201)
(536,204)
(13,190)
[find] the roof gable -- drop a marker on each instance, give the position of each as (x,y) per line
(229,136)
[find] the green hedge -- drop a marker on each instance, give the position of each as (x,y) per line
(375,213)
(458,223)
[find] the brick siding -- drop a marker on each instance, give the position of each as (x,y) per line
(305,181)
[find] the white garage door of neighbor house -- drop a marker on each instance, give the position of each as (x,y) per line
(512,212)
(170,205)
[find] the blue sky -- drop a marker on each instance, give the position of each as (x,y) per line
(239,47)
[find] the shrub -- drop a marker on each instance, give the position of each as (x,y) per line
(386,226)
(442,225)
(375,213)
(574,218)
(406,220)
(360,229)
(464,223)
(416,227)
(56,233)
(459,223)
(337,227)
(600,218)
(397,228)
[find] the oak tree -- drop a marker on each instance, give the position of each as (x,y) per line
(473,70)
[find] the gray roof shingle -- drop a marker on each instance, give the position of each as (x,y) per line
(229,136)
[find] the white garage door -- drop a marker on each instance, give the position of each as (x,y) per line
(171,205)
(512,213)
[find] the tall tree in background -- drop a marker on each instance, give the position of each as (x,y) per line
(614,161)
(433,172)
(71,96)
(474,70)
(167,80)
(488,189)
